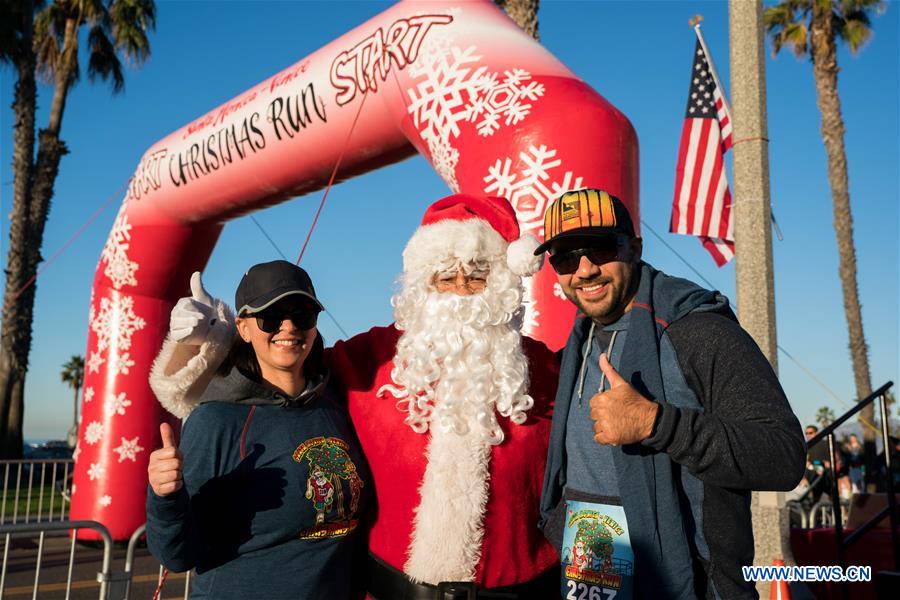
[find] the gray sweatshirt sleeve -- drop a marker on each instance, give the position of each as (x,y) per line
(747,436)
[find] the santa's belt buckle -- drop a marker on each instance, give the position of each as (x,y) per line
(457,590)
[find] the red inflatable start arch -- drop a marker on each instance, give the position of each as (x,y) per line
(458,82)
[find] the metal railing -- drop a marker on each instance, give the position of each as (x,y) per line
(113,584)
(890,510)
(35,490)
(71,527)
(34,505)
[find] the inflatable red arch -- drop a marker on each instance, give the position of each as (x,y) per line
(491,109)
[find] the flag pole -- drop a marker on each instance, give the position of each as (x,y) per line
(754,267)
(712,68)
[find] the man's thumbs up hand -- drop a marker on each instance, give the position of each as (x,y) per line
(164,470)
(621,415)
(192,316)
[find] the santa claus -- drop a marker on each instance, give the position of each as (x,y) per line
(452,406)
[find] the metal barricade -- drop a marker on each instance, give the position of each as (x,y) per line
(129,565)
(113,584)
(104,576)
(35,490)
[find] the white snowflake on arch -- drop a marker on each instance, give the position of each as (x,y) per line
(129,449)
(452,88)
(120,363)
(530,189)
(88,394)
(558,291)
(105,500)
(118,315)
(97,471)
(503,98)
(93,362)
(93,432)
(119,269)
(116,404)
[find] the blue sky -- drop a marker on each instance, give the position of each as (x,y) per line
(637,54)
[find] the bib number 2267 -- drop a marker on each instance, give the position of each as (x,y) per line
(583,591)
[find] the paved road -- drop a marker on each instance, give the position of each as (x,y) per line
(21,562)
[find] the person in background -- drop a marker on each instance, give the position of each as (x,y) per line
(853,450)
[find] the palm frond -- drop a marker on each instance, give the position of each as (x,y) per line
(130,22)
(852,21)
(786,24)
(103,62)
(855,33)
(49,28)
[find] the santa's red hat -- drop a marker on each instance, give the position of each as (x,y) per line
(470,228)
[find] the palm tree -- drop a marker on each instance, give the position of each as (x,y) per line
(46,44)
(814,27)
(825,416)
(73,374)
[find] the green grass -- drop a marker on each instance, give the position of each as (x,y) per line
(8,507)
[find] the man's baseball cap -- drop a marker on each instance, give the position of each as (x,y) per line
(267,283)
(585,213)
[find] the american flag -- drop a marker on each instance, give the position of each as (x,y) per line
(702,203)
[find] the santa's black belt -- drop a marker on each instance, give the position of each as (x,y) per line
(387,583)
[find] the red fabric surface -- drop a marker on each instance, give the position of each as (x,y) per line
(818,547)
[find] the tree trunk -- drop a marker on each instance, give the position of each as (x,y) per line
(524,13)
(63,77)
(15,337)
(825,69)
(29,217)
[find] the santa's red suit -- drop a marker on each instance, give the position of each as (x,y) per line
(512,549)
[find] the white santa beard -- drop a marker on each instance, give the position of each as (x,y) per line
(459,360)
(449,524)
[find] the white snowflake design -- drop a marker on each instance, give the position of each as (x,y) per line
(531,314)
(531,189)
(105,500)
(93,432)
(503,98)
(76,453)
(94,361)
(128,449)
(88,394)
(558,291)
(118,315)
(117,404)
(97,471)
(120,363)
(451,88)
(118,268)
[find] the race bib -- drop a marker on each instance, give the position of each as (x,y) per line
(597,560)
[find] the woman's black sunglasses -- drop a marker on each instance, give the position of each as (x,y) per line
(601,251)
(270,319)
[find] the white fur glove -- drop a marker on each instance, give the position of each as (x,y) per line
(193,316)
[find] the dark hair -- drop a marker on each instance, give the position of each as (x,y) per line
(242,356)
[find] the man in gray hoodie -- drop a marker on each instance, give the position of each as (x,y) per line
(666,417)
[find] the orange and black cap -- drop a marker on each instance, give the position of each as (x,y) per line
(585,213)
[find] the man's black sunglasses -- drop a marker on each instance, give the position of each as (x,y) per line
(601,251)
(270,320)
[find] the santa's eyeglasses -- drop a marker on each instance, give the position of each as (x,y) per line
(601,251)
